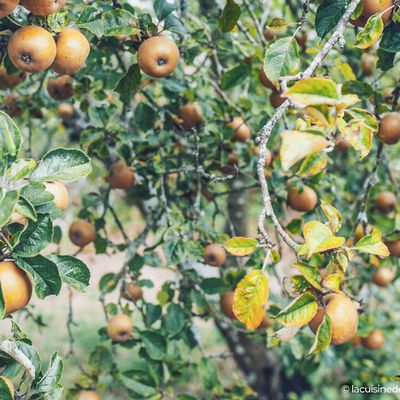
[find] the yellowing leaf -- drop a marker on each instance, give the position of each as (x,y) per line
(251,296)
(319,238)
(300,311)
(372,244)
(297,145)
(342,259)
(374,261)
(371,33)
(278,24)
(295,284)
(313,164)
(313,91)
(318,115)
(310,273)
(358,128)
(241,246)
(342,73)
(333,215)
(275,256)
(323,336)
(333,282)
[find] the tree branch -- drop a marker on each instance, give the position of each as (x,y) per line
(266,130)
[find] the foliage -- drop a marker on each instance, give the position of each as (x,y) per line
(184,179)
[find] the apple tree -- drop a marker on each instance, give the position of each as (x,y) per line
(258,142)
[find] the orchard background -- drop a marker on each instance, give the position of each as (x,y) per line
(199,199)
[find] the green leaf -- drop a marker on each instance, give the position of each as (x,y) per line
(58,21)
(55,393)
(44,273)
(362,89)
(24,354)
(119,22)
(62,165)
(4,391)
(323,336)
(162,8)
(36,194)
(319,238)
(310,273)
(328,15)
(137,387)
(333,215)
(294,226)
(136,263)
(281,59)
(371,33)
(101,359)
(128,84)
(251,296)
(35,238)
(235,77)
(25,208)
(208,373)
(241,246)
(297,145)
(20,169)
(90,19)
(372,244)
(174,320)
(185,397)
(2,304)
(10,136)
(385,59)
(391,39)
(300,311)
(52,376)
(213,285)
(8,201)
(152,314)
(72,271)
(174,24)
(155,344)
(229,17)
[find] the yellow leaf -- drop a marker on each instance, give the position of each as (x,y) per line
(375,261)
(343,73)
(372,244)
(333,215)
(317,115)
(319,238)
(333,282)
(251,296)
(297,145)
(315,91)
(240,246)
